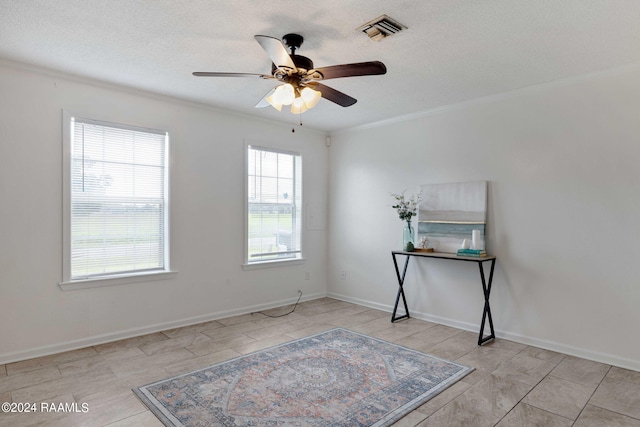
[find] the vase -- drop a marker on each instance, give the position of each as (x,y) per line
(476,240)
(408,238)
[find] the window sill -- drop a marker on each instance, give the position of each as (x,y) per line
(274,263)
(98,282)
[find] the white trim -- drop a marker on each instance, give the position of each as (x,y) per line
(66,194)
(245,203)
(273,263)
(97,282)
(606,358)
(105,123)
(144,330)
(168,158)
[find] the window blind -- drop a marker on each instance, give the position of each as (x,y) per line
(274,204)
(118,199)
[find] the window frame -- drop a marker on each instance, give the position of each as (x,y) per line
(277,148)
(68,283)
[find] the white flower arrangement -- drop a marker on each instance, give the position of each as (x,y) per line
(407,208)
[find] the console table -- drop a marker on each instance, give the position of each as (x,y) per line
(486,285)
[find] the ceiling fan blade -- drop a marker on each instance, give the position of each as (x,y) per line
(276,51)
(350,70)
(215,74)
(263,102)
(333,95)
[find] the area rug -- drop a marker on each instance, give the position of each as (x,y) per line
(335,378)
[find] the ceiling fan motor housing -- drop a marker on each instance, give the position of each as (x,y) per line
(293,42)
(301,62)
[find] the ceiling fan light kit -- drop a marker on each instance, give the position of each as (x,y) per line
(300,100)
(300,85)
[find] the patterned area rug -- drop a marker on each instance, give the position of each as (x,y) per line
(336,378)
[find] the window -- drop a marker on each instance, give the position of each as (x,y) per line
(274,205)
(116,198)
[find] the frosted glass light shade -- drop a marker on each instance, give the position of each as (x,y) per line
(298,106)
(284,94)
(311,97)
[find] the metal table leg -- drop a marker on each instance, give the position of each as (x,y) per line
(486,288)
(400,290)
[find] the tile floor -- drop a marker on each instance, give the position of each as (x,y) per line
(512,385)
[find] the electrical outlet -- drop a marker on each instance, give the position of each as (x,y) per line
(307,275)
(343,275)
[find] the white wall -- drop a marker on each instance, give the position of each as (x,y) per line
(561,161)
(563,213)
(36,317)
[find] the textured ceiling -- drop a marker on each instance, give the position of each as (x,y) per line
(452,51)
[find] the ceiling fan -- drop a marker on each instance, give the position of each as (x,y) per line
(300,83)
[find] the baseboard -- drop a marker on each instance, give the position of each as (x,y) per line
(584,353)
(134,332)
(415,314)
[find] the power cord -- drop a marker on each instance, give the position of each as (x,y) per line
(285,314)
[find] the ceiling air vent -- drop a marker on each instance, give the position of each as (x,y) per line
(381,27)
